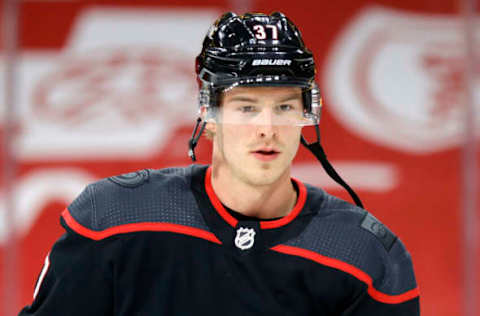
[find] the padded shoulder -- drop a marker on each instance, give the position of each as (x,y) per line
(146,196)
(132,179)
(351,235)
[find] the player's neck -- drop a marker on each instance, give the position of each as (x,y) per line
(261,201)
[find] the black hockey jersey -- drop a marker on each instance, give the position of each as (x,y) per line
(159,242)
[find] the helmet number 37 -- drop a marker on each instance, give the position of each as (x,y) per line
(261,34)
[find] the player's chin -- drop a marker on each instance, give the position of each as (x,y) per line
(261,180)
(267,174)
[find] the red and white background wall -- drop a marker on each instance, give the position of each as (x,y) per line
(98,88)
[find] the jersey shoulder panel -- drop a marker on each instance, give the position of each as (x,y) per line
(351,235)
(145,196)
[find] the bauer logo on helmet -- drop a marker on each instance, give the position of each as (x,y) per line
(271,62)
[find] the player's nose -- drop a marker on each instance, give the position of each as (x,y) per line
(266,126)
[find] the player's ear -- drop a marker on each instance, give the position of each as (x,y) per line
(210,130)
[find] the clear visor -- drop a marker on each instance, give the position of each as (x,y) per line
(258,115)
(250,110)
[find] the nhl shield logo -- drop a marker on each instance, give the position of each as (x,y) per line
(245,238)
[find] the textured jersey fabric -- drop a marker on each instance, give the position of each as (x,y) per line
(159,242)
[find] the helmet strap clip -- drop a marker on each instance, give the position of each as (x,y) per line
(192,143)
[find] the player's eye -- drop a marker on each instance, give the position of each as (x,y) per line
(285,107)
(247,109)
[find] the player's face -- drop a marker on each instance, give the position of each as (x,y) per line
(252,141)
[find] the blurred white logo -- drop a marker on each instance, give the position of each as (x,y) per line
(121,86)
(32,192)
(115,89)
(398,78)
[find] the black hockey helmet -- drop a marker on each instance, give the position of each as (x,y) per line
(258,50)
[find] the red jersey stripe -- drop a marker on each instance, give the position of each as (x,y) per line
(128,228)
(345,267)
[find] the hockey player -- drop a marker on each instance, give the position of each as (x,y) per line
(240,236)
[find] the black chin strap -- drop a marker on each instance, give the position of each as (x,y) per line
(192,143)
(319,153)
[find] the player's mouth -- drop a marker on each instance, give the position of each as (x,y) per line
(265,154)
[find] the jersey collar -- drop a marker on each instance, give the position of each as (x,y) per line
(302,196)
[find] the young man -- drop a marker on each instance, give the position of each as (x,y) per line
(238,237)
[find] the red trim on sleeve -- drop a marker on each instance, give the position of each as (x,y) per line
(302,197)
(345,267)
(129,228)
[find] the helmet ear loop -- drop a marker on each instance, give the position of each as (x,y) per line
(192,143)
(310,95)
(207,96)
